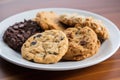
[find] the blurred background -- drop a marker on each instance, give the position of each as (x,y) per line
(107,70)
(102,7)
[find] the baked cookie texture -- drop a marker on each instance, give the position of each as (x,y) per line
(96,25)
(64,37)
(18,33)
(47,47)
(49,20)
(71,19)
(83,43)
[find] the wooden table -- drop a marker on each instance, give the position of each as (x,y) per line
(107,70)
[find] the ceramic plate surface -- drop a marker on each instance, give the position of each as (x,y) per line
(108,48)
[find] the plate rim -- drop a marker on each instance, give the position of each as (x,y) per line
(59,68)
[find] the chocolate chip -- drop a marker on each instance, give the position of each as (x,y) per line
(20,37)
(37,36)
(15,27)
(62,38)
(13,40)
(55,53)
(28,32)
(21,25)
(49,52)
(69,35)
(101,39)
(11,30)
(26,36)
(77,32)
(23,32)
(33,43)
(83,43)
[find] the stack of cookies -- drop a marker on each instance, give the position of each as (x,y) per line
(49,37)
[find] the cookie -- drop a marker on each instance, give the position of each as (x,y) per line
(96,25)
(47,47)
(18,33)
(49,20)
(71,19)
(83,43)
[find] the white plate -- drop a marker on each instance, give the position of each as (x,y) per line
(107,49)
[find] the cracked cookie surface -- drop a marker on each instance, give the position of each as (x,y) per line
(82,21)
(47,47)
(17,34)
(83,43)
(49,20)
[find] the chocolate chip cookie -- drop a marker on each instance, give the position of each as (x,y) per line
(47,47)
(82,21)
(18,33)
(83,43)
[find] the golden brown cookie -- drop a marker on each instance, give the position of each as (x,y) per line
(83,43)
(81,21)
(71,19)
(47,47)
(48,20)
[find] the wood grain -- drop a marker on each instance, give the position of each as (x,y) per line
(107,70)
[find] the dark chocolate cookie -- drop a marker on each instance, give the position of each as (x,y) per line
(18,33)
